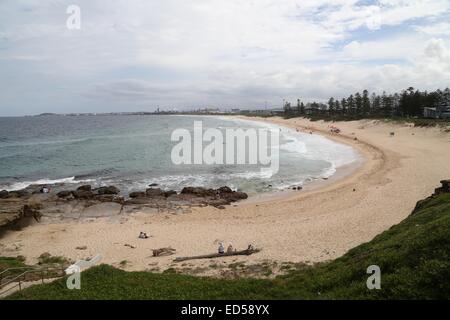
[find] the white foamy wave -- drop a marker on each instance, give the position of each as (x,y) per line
(25,184)
(262,174)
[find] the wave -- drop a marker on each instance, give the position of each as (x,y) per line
(24,184)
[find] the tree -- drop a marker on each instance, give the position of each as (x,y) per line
(351,105)
(365,103)
(344,105)
(331,106)
(358,103)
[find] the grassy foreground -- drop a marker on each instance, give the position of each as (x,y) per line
(414,257)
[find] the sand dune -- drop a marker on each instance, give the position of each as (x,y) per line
(319,223)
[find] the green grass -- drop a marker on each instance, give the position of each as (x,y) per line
(11,262)
(414,257)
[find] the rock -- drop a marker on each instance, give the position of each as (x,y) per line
(4,194)
(64,194)
(108,190)
(199,191)
(224,190)
(19,194)
(137,194)
(234,196)
(151,192)
(109,198)
(11,211)
(85,188)
(81,248)
(153,185)
(169,193)
(445,188)
(32,210)
(82,194)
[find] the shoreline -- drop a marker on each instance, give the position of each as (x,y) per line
(307,226)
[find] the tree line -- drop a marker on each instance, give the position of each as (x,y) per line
(407,103)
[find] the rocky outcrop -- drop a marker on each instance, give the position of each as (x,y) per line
(87,202)
(151,192)
(64,194)
(84,188)
(137,194)
(445,188)
(110,190)
(11,210)
(198,191)
(82,194)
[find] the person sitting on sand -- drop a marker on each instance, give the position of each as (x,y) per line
(143,235)
(230,248)
(221,248)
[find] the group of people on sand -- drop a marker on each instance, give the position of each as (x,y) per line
(221,248)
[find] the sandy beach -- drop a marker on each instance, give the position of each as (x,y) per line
(319,223)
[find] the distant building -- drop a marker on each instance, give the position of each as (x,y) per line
(443,112)
(430,113)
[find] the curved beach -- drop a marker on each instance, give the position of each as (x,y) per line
(319,223)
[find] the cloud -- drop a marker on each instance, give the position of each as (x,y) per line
(193,52)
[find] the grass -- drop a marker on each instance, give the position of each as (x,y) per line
(12,262)
(414,257)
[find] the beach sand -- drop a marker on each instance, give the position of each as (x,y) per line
(319,223)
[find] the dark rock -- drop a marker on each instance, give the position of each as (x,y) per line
(137,194)
(64,194)
(151,192)
(153,185)
(169,193)
(19,194)
(82,194)
(4,194)
(108,190)
(234,196)
(224,190)
(199,191)
(445,188)
(85,188)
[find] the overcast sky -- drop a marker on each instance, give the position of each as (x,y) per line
(132,55)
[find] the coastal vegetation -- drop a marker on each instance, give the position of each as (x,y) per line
(410,103)
(413,256)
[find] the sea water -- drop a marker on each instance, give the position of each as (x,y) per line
(134,151)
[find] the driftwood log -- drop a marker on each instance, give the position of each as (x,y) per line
(163,252)
(246,252)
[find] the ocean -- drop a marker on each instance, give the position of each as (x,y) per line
(132,152)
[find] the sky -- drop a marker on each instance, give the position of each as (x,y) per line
(138,55)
